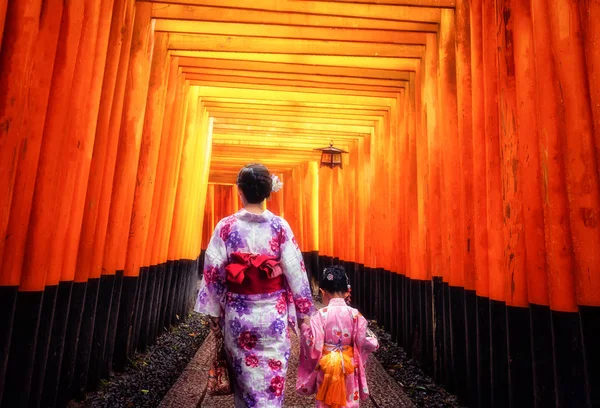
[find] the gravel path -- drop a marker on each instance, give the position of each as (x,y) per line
(172,374)
(150,375)
(190,389)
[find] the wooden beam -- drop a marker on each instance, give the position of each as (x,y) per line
(291,96)
(282,131)
(409,34)
(314,70)
(276,143)
(292,134)
(260,112)
(240,88)
(229,117)
(293,13)
(295,125)
(206,78)
(391,63)
(227,43)
(231,150)
(307,78)
(419,3)
(276,103)
(298,110)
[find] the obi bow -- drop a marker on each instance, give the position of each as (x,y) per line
(241,262)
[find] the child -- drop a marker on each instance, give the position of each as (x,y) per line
(335,346)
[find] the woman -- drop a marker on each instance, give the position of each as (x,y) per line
(254,286)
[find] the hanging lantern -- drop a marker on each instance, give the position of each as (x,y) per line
(331,156)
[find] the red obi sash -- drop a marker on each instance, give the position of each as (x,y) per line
(252,274)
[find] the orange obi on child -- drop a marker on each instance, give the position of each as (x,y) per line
(253,274)
(336,362)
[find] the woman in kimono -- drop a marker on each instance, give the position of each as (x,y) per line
(254,287)
(335,348)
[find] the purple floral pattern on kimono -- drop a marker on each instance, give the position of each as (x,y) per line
(255,327)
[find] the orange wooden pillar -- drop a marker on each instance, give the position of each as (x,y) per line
(292,200)
(81,217)
(209,223)
(581,166)
(176,136)
(168,142)
(124,181)
(144,190)
(453,193)
(174,129)
(275,202)
(3,6)
(183,200)
(197,189)
(524,371)
(95,226)
(167,232)
(497,344)
(411,267)
(204,191)
(325,217)
(559,249)
(434,174)
(517,352)
(361,205)
(423,265)
(76,152)
(29,51)
(310,209)
(410,262)
(466,330)
(236,199)
(590,29)
(156,218)
(26,37)
(480,245)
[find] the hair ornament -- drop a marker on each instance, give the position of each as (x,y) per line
(330,276)
(276,184)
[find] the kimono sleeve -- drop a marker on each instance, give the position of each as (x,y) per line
(213,282)
(364,344)
(294,270)
(311,348)
(365,340)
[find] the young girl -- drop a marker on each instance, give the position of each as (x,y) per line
(335,347)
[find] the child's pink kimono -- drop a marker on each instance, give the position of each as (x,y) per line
(336,325)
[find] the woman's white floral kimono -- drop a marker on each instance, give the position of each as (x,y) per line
(255,326)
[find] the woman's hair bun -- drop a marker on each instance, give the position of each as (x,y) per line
(255,182)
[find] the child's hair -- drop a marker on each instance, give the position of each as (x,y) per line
(334,279)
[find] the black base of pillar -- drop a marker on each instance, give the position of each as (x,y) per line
(8,302)
(103,310)
(86,334)
(21,355)
(67,370)
(43,344)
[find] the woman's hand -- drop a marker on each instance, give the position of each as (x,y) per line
(214,325)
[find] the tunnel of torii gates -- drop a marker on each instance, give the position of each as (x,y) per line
(467,211)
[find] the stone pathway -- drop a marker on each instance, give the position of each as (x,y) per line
(190,389)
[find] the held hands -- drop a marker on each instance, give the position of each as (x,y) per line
(214,326)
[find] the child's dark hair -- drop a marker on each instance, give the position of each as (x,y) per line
(334,280)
